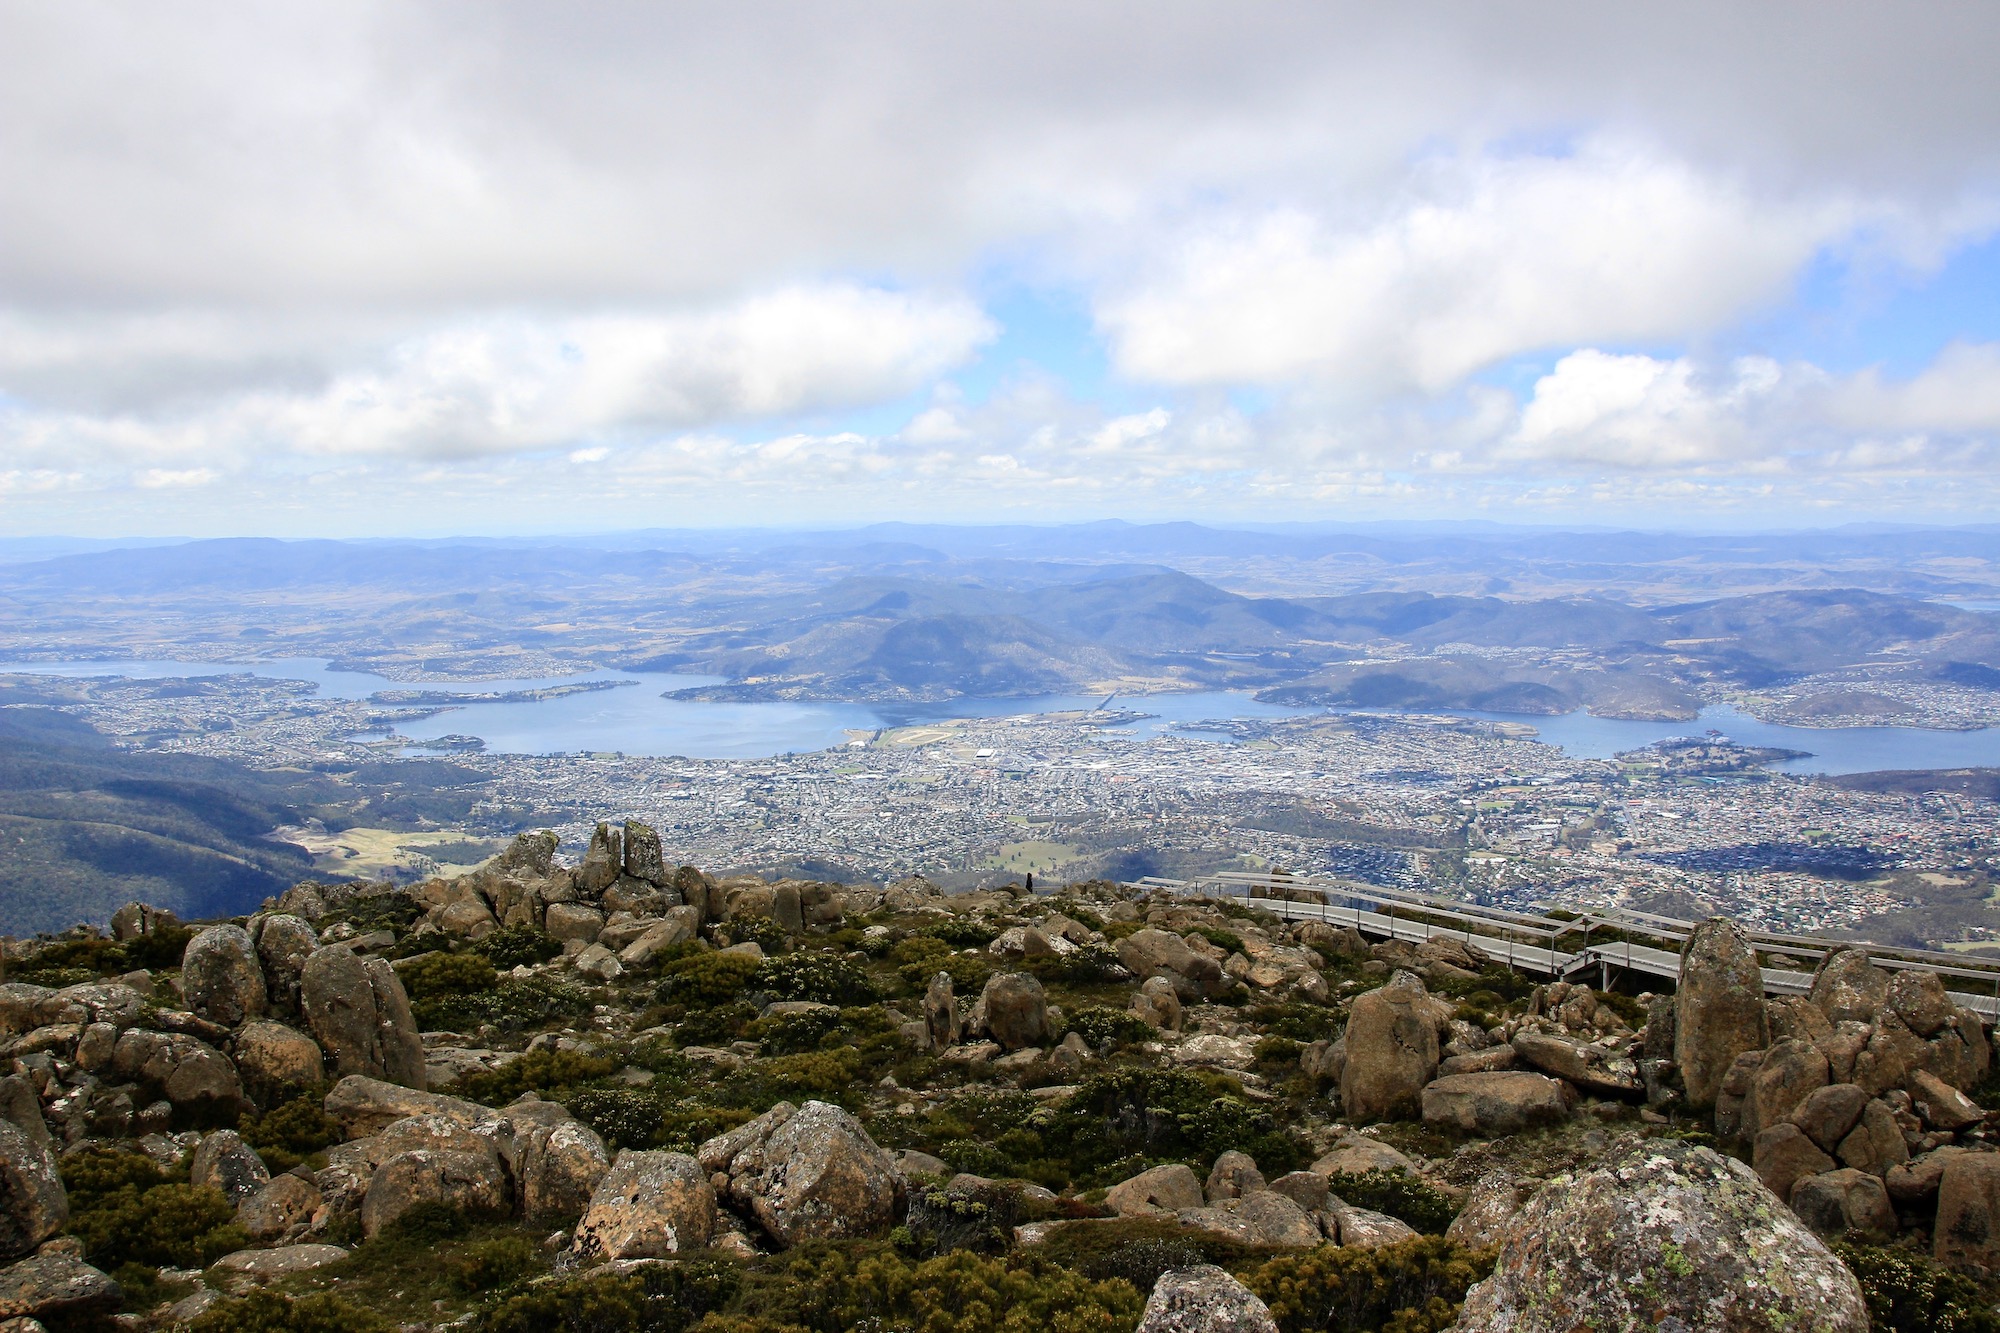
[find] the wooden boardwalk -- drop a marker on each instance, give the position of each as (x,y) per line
(1559,947)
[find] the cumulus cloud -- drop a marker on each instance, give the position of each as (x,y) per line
(1496,257)
(517,383)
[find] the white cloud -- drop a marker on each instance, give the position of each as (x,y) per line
(519,383)
(1637,411)
(1957,393)
(1495,257)
(163,479)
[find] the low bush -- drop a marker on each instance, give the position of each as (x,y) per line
(288,1134)
(706,979)
(622,1117)
(269,1312)
(125,1209)
(1413,1286)
(960,932)
(1120,1117)
(823,1075)
(1087,965)
(1908,1292)
(1301,1022)
(1106,1028)
(1221,939)
(825,978)
(921,957)
(941,1220)
(515,1004)
(551,1074)
(510,948)
(715,1025)
(439,975)
(496,1263)
(656,1299)
(1401,1196)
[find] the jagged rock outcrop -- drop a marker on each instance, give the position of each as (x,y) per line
(225,1162)
(1719,1008)
(1014,1009)
(284,943)
(1665,1235)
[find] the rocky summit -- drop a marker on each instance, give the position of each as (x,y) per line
(606,1092)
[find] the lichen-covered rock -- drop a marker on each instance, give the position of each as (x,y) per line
(53,1286)
(941,1013)
(223,1160)
(273,1058)
(473,1182)
(1264,1218)
(1161,1189)
(1489,1209)
(284,1203)
(187,1071)
(1234,1175)
(1663,1236)
(1204,1299)
(1392,1051)
(361,1015)
(1875,1144)
(221,976)
(33,1204)
(1843,1203)
(1719,1008)
(1791,1072)
(284,942)
(1016,1010)
(644,858)
(816,1176)
(1158,1004)
(1506,1102)
(648,1206)
(1847,986)
(1589,1067)
(1941,1105)
(558,1168)
(1968,1213)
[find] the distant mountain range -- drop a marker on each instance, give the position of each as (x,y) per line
(907,612)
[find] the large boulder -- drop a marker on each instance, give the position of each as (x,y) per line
(1497,1103)
(274,1059)
(1968,1212)
(186,1070)
(56,1286)
(1784,1155)
(1846,1202)
(648,1206)
(470,1180)
(1846,986)
(225,1162)
(557,1170)
(284,942)
(222,977)
(1161,1189)
(283,1206)
(644,859)
(1204,1299)
(33,1204)
(1016,1010)
(364,1106)
(1719,1008)
(1828,1114)
(809,1174)
(941,1013)
(1591,1068)
(360,1013)
(1157,953)
(1792,1071)
(1392,1051)
(1663,1236)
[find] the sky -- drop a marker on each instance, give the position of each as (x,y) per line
(420,268)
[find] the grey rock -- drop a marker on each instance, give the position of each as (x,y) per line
(648,1206)
(221,976)
(1846,1202)
(1847,986)
(1204,1299)
(55,1285)
(284,942)
(360,1014)
(1392,1051)
(33,1204)
(1587,1251)
(1719,1008)
(1161,1189)
(1506,1102)
(224,1161)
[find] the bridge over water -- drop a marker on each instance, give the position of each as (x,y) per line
(1562,947)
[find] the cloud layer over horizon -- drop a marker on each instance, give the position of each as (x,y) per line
(432,267)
